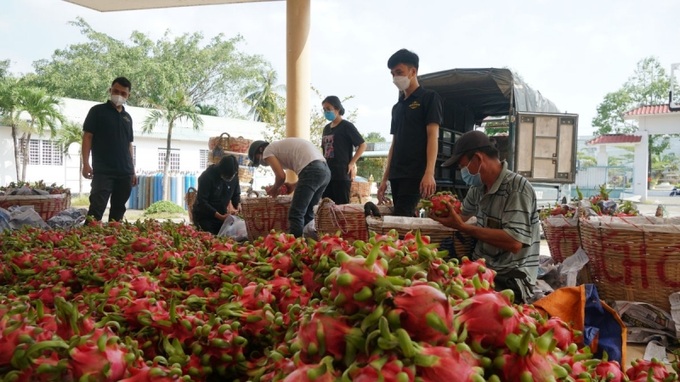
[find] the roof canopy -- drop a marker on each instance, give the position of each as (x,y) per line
(125,5)
(487,92)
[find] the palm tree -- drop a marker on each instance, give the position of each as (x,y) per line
(176,107)
(207,110)
(9,101)
(264,98)
(70,133)
(43,111)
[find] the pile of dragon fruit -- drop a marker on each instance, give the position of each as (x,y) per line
(160,301)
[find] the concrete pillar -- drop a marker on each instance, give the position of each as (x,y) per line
(298,75)
(640,184)
(602,157)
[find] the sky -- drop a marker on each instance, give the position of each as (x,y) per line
(573,52)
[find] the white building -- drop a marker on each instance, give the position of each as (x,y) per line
(189,147)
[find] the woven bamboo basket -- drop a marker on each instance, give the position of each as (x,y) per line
(633,258)
(439,234)
(348,219)
(263,214)
(562,235)
(245,174)
(239,144)
(564,239)
(359,192)
(45,205)
(190,199)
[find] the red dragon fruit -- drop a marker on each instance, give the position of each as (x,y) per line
(383,367)
(436,203)
(440,363)
(529,359)
(321,334)
(104,360)
(425,313)
(489,318)
(469,268)
(321,372)
(653,370)
(562,332)
(609,371)
(351,285)
(255,296)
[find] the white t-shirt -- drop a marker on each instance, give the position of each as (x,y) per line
(293,153)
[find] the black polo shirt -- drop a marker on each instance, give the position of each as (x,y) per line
(410,118)
(111,137)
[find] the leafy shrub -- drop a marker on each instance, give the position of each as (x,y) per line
(164,206)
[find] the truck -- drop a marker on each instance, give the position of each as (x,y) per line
(532,135)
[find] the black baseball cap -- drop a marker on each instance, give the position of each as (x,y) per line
(472,140)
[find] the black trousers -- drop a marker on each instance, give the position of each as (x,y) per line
(405,195)
(338,191)
(104,186)
(208,224)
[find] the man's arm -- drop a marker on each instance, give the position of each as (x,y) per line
(86,147)
(352,164)
(279,173)
(386,174)
(494,236)
(132,160)
(428,184)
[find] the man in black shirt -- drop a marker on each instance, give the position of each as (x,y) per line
(219,195)
(416,118)
(107,133)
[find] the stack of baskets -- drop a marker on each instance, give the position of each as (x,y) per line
(633,258)
(245,174)
(263,214)
(360,192)
(45,205)
(223,144)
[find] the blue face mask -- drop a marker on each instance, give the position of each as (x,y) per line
(469,179)
(329,114)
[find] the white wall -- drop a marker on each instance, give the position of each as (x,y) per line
(188,141)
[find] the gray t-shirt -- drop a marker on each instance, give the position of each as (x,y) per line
(293,153)
(509,205)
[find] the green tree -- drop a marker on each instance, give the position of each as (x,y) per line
(171,110)
(263,97)
(9,103)
(43,111)
(374,137)
(648,85)
(586,160)
(72,133)
(207,110)
(209,72)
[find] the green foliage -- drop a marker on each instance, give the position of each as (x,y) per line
(648,85)
(374,137)
(586,160)
(209,73)
(263,98)
(371,166)
(164,206)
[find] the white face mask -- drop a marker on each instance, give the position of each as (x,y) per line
(402,82)
(118,99)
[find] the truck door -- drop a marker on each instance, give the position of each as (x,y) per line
(545,147)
